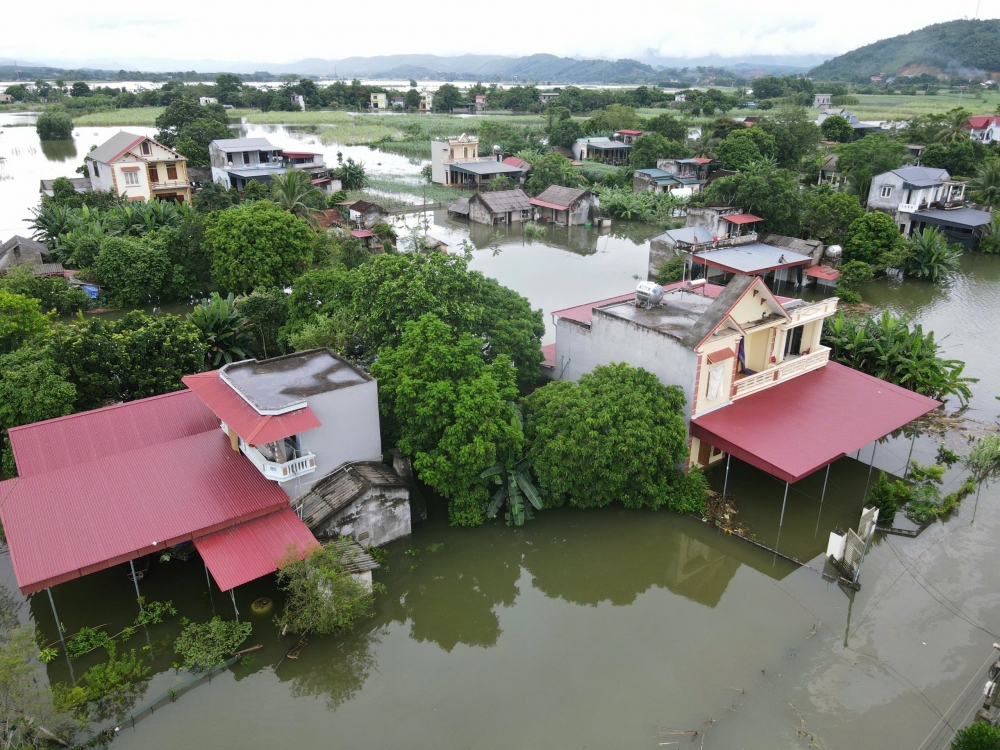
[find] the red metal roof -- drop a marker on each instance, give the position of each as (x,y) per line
(299,154)
(79,519)
(980,122)
(630,132)
(89,435)
(515,162)
(320,180)
(546,204)
(362,233)
(742,218)
(254,548)
(823,272)
(549,356)
(231,408)
(800,425)
(721,356)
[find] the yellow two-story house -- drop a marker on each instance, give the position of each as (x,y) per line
(139,168)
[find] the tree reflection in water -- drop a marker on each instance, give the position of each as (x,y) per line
(336,670)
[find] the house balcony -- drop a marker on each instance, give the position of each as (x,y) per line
(908,208)
(785,370)
(280,472)
(809,313)
(169,184)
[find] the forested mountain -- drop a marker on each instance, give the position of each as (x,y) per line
(958,48)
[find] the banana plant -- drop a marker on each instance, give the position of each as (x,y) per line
(516,489)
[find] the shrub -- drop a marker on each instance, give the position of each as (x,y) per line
(883,497)
(979,736)
(52,291)
(874,239)
(54,125)
(135,269)
(672,270)
(208,644)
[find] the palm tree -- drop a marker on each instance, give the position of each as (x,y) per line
(953,126)
(989,242)
(859,183)
(929,256)
(703,147)
(513,476)
(294,192)
(52,220)
(225,330)
(985,186)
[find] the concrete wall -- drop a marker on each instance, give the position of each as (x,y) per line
(378,518)
(100,178)
(580,349)
(349,432)
(710,218)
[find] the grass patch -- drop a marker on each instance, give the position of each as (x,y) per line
(416,188)
(145,116)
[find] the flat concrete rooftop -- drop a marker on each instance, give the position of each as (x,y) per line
(674,316)
(282,382)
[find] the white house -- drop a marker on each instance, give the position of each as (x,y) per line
(903,192)
(236,161)
(985,128)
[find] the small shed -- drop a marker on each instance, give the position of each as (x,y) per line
(565,205)
(20,251)
(364,213)
(459,207)
(501,207)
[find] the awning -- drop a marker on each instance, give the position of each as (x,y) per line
(320,180)
(362,233)
(799,426)
(721,356)
(742,218)
(252,427)
(823,272)
(546,204)
(253,549)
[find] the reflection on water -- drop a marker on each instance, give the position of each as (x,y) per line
(59,150)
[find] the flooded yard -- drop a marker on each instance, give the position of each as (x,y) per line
(599,628)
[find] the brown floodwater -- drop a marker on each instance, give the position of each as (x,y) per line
(611,628)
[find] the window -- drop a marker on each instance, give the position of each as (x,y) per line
(886,191)
(246,157)
(131,178)
(171,171)
(144,147)
(97,172)
(154,176)
(465,153)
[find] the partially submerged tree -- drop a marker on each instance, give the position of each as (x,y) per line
(204,645)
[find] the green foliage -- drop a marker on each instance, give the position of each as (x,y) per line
(534,231)
(214,197)
(928,256)
(136,270)
(877,152)
(672,270)
(122,360)
(107,690)
(256,244)
(552,169)
(765,191)
(204,645)
(653,208)
(21,320)
(889,348)
(186,119)
(837,128)
(54,125)
(670,127)
(266,311)
(194,138)
(984,187)
(616,434)
(391,289)
(223,329)
(32,388)
(321,595)
(446,97)
(512,472)
(983,461)
(54,294)
(336,331)
(873,239)
(827,214)
(883,497)
(294,192)
(853,273)
(611,119)
(959,157)
(737,151)
(254,190)
(978,736)
(352,174)
(25,704)
(448,409)
(648,148)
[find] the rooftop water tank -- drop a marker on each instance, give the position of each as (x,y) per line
(833,252)
(648,294)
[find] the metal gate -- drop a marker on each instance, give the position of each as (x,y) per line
(853,550)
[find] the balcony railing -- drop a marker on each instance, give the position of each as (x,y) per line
(167,184)
(782,371)
(279,472)
(908,208)
(807,314)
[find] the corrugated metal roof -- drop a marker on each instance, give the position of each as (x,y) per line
(86,517)
(252,549)
(90,435)
(549,356)
(502,201)
(751,259)
(115,146)
(244,144)
(252,427)
(742,218)
(689,235)
(484,167)
(962,217)
(800,425)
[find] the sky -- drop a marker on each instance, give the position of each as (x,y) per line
(252,30)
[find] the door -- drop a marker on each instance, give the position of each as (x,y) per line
(510,217)
(793,341)
(704,453)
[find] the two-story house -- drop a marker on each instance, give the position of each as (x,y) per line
(426,101)
(757,380)
(985,128)
(139,168)
(237,161)
(918,197)
(379,102)
(457,161)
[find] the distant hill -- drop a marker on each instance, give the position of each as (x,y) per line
(963,48)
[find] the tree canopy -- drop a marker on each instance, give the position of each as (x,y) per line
(552,169)
(827,214)
(764,191)
(648,148)
(874,239)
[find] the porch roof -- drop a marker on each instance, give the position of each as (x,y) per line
(797,427)
(751,259)
(956,217)
(484,167)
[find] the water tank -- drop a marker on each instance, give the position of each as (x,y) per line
(833,252)
(648,294)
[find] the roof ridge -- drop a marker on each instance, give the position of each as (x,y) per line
(101,408)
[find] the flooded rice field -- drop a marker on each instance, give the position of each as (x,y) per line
(600,628)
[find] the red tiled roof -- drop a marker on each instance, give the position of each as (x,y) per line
(515,162)
(721,356)
(549,356)
(823,272)
(800,425)
(321,180)
(329,217)
(980,122)
(362,233)
(89,435)
(252,549)
(630,132)
(85,517)
(742,218)
(231,408)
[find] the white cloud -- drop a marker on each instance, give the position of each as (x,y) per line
(261,31)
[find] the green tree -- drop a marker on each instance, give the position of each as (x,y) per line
(21,320)
(827,214)
(873,238)
(33,387)
(611,119)
(552,169)
(927,255)
(764,191)
(837,128)
(670,127)
(223,328)
(213,197)
(883,497)
(54,125)
(181,113)
(266,311)
(352,174)
(876,152)
(294,192)
(564,133)
(978,736)
(79,89)
(411,99)
(512,472)
(648,148)
(616,434)
(54,294)
(446,97)
(204,645)
(449,410)
(254,190)
(256,244)
(193,140)
(985,186)
(135,269)
(737,151)
(990,240)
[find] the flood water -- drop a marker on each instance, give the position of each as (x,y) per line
(609,628)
